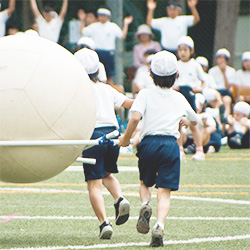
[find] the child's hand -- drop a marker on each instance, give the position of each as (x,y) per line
(151,4)
(244,121)
(230,120)
(128,20)
(123,141)
(81,15)
(192,3)
(184,122)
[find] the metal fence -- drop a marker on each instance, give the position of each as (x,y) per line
(202,33)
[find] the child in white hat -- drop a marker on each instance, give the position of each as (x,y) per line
(239,131)
(242,78)
(107,98)
(162,109)
(224,76)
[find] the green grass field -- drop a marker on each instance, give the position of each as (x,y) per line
(210,211)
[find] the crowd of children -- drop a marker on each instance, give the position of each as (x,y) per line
(180,107)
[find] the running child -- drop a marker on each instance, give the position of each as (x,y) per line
(106,155)
(162,109)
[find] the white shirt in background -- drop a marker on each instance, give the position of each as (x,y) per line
(107,98)
(190,74)
(242,78)
(218,76)
(142,78)
(104,34)
(3,19)
(50,30)
(102,76)
(162,110)
(172,29)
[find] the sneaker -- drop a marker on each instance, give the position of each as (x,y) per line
(144,217)
(198,156)
(157,237)
(126,150)
(122,208)
(211,149)
(190,149)
(106,231)
(236,140)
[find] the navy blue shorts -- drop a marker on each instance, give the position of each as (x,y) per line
(224,92)
(107,58)
(106,157)
(159,161)
(188,93)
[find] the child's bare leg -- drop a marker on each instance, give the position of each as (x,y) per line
(113,186)
(145,192)
(96,199)
(163,205)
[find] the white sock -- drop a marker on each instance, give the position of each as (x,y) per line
(144,203)
(159,223)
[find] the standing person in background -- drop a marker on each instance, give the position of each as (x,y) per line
(174,25)
(86,18)
(224,76)
(5,15)
(101,174)
(144,35)
(104,33)
(49,22)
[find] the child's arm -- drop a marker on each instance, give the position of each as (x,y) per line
(192,6)
(151,4)
(82,16)
(34,8)
(11,7)
(132,124)
(128,103)
(127,20)
(63,9)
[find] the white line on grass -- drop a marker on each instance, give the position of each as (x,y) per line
(128,244)
(43,190)
(131,218)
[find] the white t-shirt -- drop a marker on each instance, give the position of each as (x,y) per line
(102,76)
(162,110)
(107,98)
(172,29)
(218,76)
(50,30)
(142,78)
(3,19)
(190,74)
(104,34)
(242,78)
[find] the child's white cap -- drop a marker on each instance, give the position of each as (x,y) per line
(186,40)
(103,11)
(89,60)
(209,94)
(242,107)
(86,41)
(199,98)
(31,32)
(246,56)
(149,58)
(202,61)
(164,63)
(223,52)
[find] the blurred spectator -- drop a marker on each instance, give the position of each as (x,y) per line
(224,77)
(242,79)
(4,16)
(144,35)
(35,27)
(239,131)
(86,18)
(174,25)
(104,33)
(86,42)
(12,29)
(49,22)
(191,75)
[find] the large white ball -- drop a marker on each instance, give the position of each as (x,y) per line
(45,94)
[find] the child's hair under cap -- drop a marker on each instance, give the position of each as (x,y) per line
(186,40)
(164,63)
(89,60)
(242,107)
(245,56)
(223,52)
